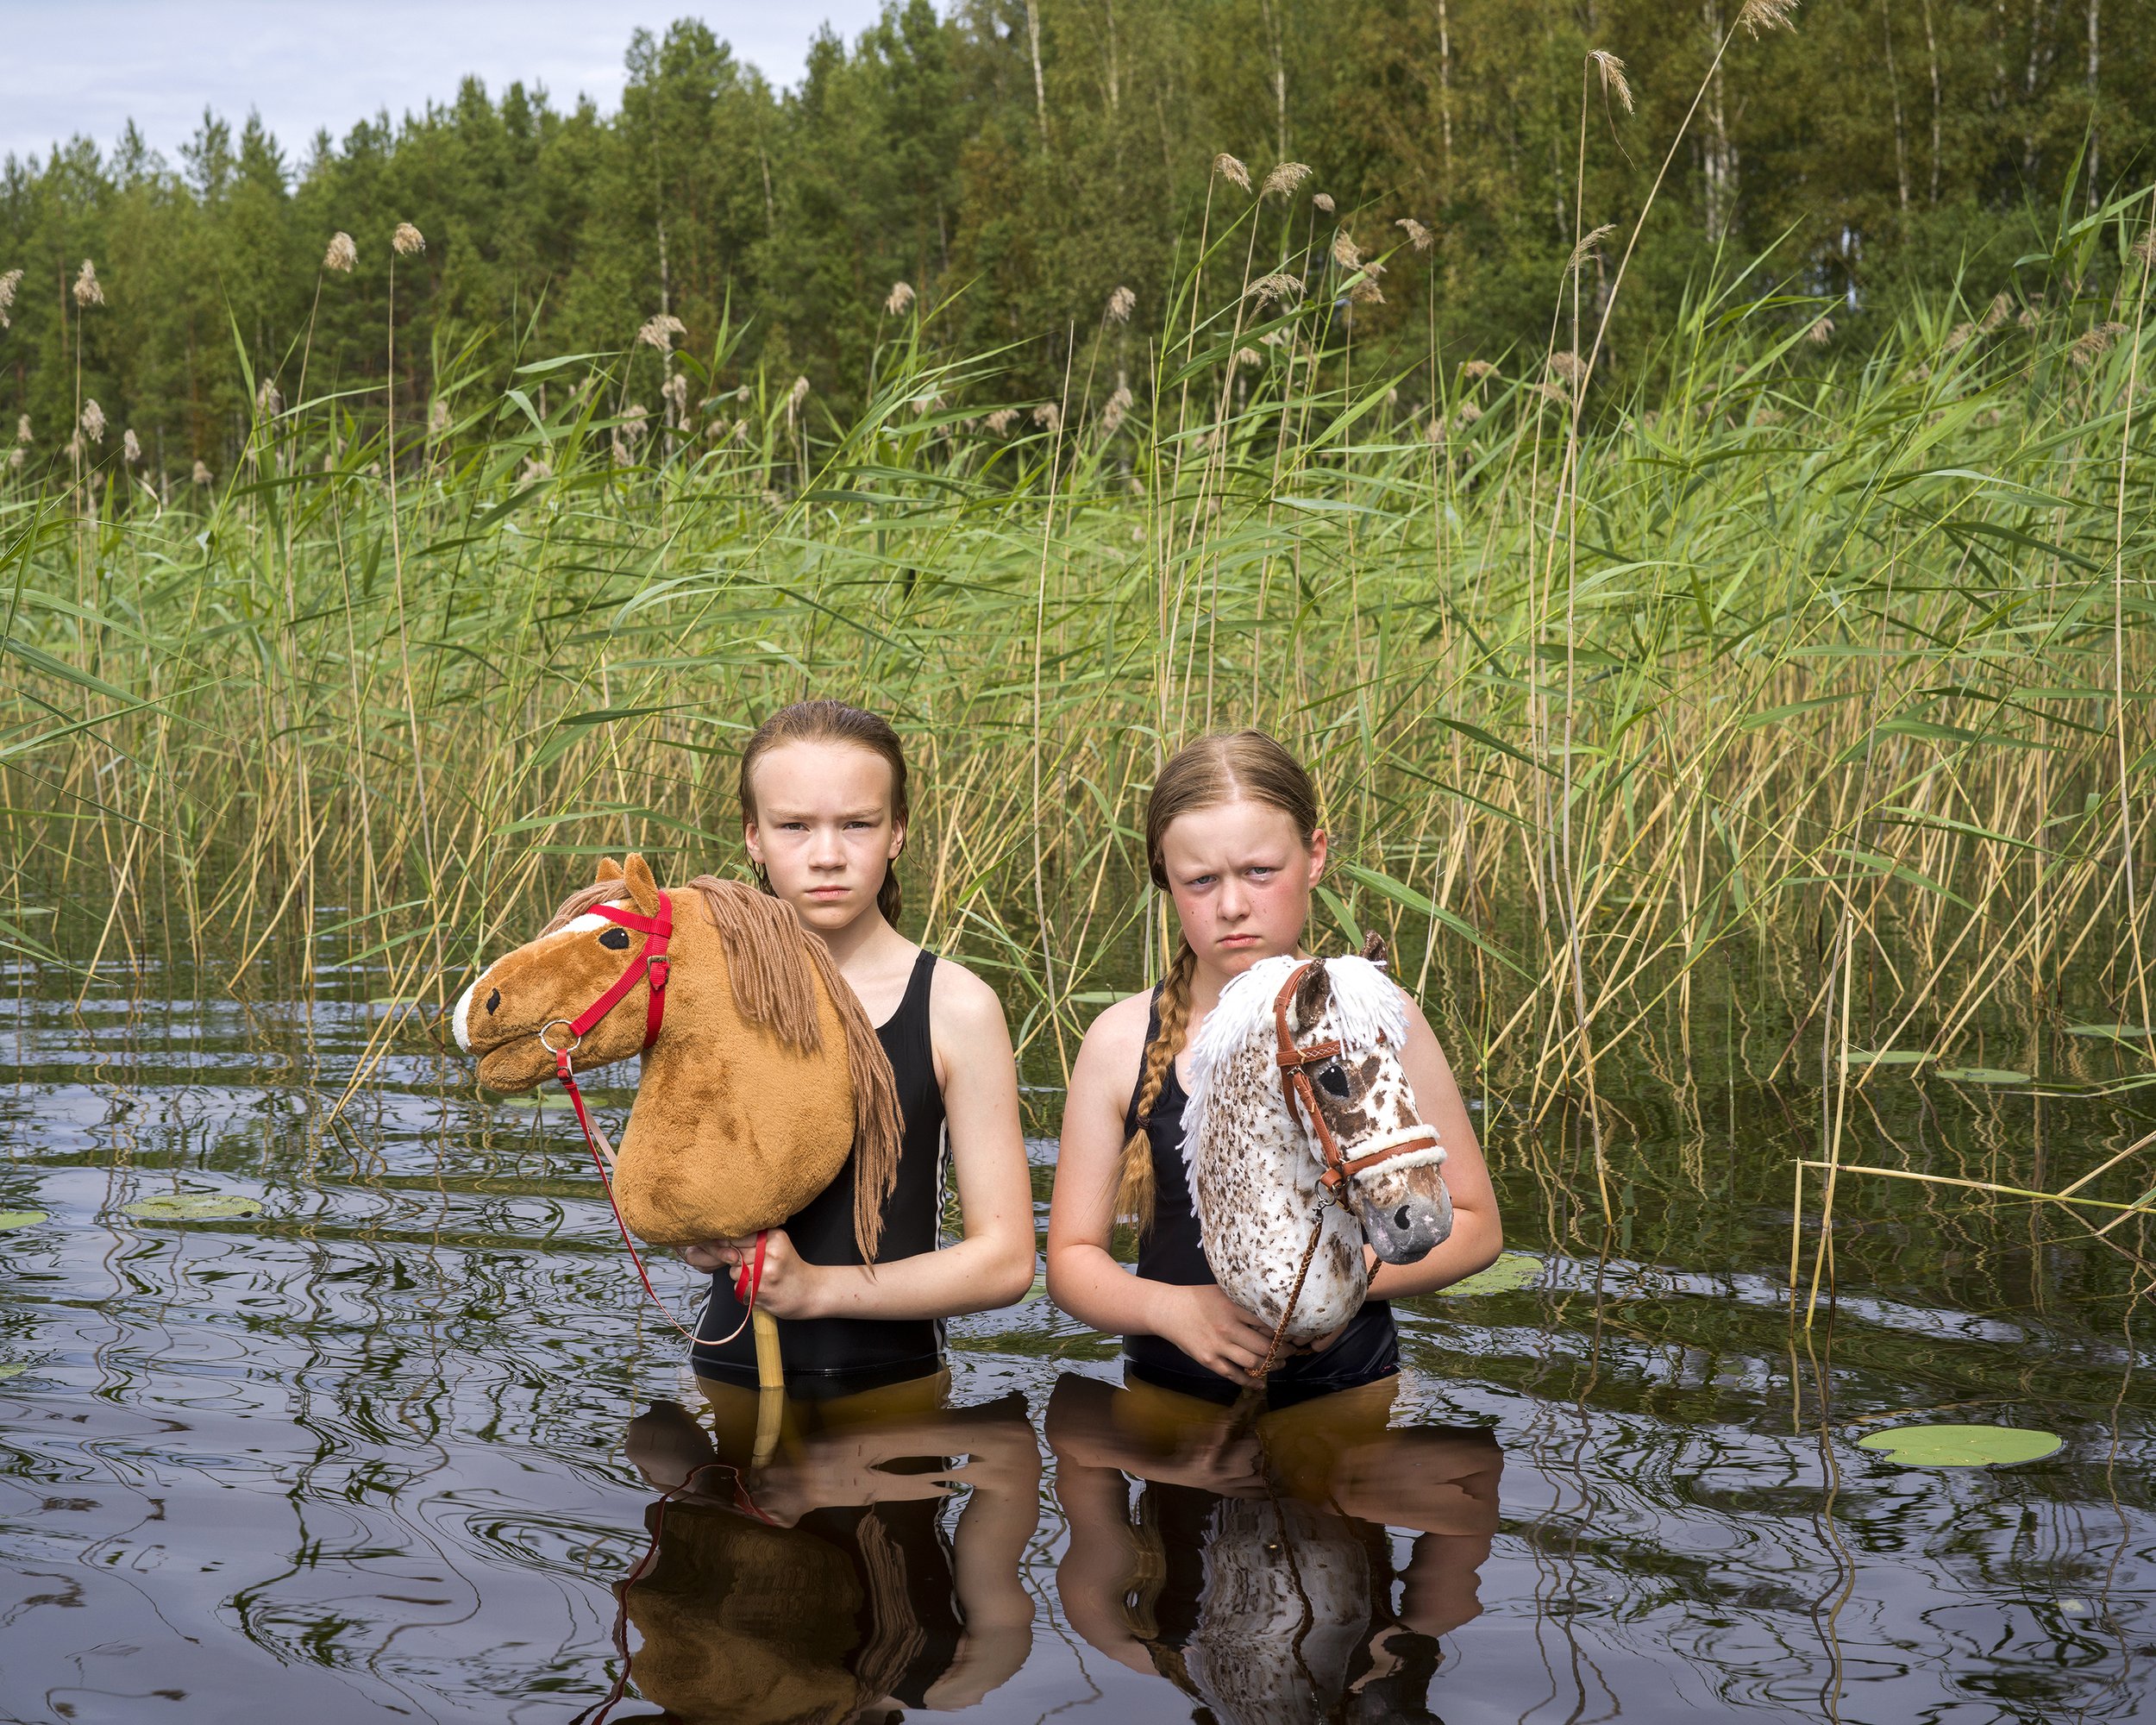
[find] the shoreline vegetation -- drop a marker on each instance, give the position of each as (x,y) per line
(1774,710)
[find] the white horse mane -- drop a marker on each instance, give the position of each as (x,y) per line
(1367,1009)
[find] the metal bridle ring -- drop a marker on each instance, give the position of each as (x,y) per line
(574,1039)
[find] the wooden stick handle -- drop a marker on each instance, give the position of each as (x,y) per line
(770,1372)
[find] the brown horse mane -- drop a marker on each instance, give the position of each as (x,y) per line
(773,965)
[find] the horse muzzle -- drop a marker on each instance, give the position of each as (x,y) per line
(1409,1223)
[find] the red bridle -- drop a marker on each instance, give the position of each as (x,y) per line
(655,966)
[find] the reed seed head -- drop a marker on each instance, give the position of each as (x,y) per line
(1613,71)
(22,427)
(675,389)
(269,402)
(2092,345)
(659,331)
(1419,236)
(1998,312)
(535,469)
(1118,407)
(1588,241)
(342,254)
(8,282)
(1821,333)
(1768,14)
(74,446)
(900,297)
(1364,292)
(1278,285)
(93,420)
(130,447)
(2144,248)
(1569,368)
(1958,336)
(86,290)
(1344,251)
(15,459)
(437,417)
(1433,433)
(1323,200)
(1476,370)
(407,240)
(1121,304)
(1469,412)
(1002,420)
(1284,179)
(635,421)
(202,475)
(1249,356)
(1228,168)
(1049,417)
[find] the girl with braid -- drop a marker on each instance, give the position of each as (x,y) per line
(1231,834)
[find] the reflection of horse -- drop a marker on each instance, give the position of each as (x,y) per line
(830,1589)
(1255,1571)
(1301,1131)
(760,1069)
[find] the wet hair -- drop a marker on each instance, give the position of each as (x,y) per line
(1226,766)
(831,721)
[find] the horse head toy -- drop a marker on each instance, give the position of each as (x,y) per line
(761,1072)
(1301,1132)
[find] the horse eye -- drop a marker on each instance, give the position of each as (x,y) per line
(615,938)
(1332,1078)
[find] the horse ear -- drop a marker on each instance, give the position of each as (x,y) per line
(1373,949)
(643,890)
(1311,995)
(609,869)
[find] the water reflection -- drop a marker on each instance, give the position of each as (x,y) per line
(821,1584)
(1254,1570)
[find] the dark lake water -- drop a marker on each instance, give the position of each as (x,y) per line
(386,1448)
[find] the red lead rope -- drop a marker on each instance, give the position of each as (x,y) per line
(654,965)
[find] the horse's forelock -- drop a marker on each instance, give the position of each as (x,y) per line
(580,900)
(1366,1010)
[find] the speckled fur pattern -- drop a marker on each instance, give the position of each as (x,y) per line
(1254,1166)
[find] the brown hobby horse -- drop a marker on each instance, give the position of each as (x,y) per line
(761,1070)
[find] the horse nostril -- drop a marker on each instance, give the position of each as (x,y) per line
(495,999)
(1400,1217)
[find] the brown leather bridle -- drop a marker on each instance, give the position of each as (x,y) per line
(1295,1086)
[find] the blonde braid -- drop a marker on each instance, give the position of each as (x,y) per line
(1134,1185)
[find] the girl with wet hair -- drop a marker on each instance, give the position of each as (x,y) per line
(1232,836)
(824,815)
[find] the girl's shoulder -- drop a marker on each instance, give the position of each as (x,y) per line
(959,1003)
(1115,1041)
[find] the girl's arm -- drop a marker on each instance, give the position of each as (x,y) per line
(1477,1236)
(1082,1278)
(992,1265)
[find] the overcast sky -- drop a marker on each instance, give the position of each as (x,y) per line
(88,66)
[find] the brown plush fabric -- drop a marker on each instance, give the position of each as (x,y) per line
(765,1071)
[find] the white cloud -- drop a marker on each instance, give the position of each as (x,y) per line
(87,67)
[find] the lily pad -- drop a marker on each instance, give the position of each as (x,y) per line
(11,1219)
(191,1206)
(1887,1056)
(1961,1445)
(1512,1272)
(13,1368)
(2119,1032)
(1983,1075)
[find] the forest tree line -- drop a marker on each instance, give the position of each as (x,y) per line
(1017,162)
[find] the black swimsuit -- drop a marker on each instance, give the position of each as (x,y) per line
(827,1357)
(1171,1251)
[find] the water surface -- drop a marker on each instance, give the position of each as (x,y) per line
(374,1452)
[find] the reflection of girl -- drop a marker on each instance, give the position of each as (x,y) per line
(1231,834)
(1255,1571)
(824,813)
(834,1591)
